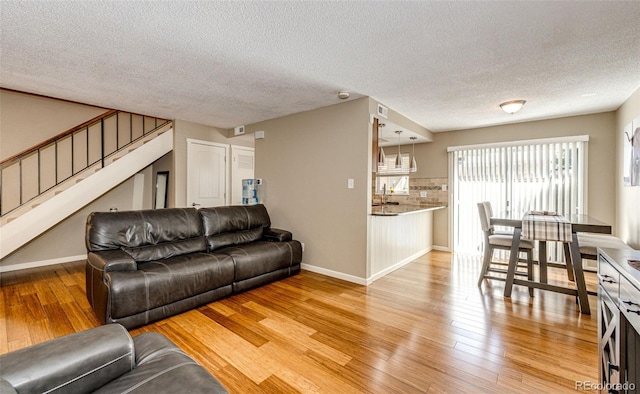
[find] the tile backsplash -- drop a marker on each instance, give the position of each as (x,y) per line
(433,188)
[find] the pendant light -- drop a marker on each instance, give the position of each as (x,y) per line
(399,157)
(382,158)
(414,165)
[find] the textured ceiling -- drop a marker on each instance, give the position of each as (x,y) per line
(445,65)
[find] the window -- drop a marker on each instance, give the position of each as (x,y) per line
(515,177)
(393,185)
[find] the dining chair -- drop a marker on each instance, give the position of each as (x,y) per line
(501,240)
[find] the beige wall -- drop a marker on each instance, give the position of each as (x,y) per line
(628,198)
(432,158)
(305,161)
(26,120)
(184,130)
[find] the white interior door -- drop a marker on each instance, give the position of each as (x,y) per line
(206,173)
(242,167)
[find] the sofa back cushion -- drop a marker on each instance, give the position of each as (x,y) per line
(146,235)
(233,225)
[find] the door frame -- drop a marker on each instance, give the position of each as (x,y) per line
(227,168)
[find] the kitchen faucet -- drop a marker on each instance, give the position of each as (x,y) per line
(384,194)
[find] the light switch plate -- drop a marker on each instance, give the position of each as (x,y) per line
(444,188)
(350,183)
(423,194)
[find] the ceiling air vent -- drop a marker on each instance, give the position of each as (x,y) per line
(383,111)
(238,130)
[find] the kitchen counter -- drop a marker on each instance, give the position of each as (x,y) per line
(403,209)
(622,258)
(398,234)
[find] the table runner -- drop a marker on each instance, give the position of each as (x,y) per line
(546,226)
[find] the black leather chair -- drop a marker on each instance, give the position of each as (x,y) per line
(105,359)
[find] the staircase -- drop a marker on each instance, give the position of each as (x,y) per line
(49,182)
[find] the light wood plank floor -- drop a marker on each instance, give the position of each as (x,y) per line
(423,328)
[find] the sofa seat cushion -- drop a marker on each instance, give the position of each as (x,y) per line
(163,282)
(260,257)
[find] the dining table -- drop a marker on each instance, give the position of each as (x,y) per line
(550,227)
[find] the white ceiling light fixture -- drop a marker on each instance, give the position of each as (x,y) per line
(513,106)
(399,157)
(414,165)
(343,95)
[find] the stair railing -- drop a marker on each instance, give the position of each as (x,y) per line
(36,170)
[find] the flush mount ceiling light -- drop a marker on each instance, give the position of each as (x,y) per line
(513,106)
(343,95)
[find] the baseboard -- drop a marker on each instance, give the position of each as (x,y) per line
(441,248)
(334,274)
(362,281)
(42,263)
(397,265)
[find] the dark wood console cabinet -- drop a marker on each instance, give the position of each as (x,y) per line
(618,321)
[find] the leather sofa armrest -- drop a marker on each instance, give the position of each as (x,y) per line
(76,363)
(112,260)
(276,235)
(6,387)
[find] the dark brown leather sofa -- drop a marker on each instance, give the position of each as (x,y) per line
(104,360)
(143,266)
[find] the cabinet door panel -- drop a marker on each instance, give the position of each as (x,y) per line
(609,343)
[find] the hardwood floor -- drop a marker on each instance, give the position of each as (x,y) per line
(423,328)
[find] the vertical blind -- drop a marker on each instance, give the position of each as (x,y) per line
(517,177)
